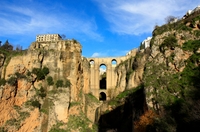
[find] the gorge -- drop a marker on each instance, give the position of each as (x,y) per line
(52,87)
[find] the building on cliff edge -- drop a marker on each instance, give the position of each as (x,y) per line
(48,37)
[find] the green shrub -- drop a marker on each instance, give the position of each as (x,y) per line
(74,104)
(79,123)
(35,71)
(59,83)
(191,45)
(185,28)
(57,130)
(91,98)
(56,127)
(169,42)
(36,104)
(28,73)
(41,73)
(11,122)
(12,81)
(67,83)
(19,75)
(23,115)
(50,80)
(42,92)
(197,33)
(2,81)
(45,70)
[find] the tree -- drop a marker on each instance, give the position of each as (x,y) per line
(170,19)
(41,73)
(7,46)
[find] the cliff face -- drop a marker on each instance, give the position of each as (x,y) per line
(39,87)
(130,72)
(169,71)
(171,74)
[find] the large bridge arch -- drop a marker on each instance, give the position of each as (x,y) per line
(103,76)
(111,75)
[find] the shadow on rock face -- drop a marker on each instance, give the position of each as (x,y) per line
(121,118)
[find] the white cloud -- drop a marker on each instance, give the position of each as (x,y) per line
(35,20)
(111,53)
(137,17)
(97,54)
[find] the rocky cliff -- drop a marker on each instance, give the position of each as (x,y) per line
(44,88)
(169,73)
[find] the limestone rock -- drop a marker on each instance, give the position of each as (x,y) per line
(61,105)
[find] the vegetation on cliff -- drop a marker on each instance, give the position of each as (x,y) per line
(171,79)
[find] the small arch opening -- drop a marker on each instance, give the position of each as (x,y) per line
(102,78)
(91,62)
(114,62)
(102,96)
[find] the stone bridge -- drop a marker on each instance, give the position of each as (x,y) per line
(102,86)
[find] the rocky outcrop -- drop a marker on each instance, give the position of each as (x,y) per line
(26,94)
(163,62)
(130,72)
(14,113)
(170,76)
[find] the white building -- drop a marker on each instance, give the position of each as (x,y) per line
(48,37)
(146,42)
(189,12)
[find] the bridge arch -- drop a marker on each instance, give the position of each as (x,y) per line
(92,62)
(111,75)
(114,62)
(102,96)
(102,76)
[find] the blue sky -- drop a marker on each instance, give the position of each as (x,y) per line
(103,27)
